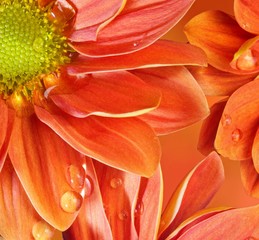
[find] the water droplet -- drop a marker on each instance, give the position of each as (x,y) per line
(116,182)
(135,44)
(246,61)
(236,135)
(38,44)
(76,177)
(123,215)
(139,209)
(88,187)
(226,120)
(41,230)
(71,201)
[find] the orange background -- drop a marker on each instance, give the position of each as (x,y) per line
(179,149)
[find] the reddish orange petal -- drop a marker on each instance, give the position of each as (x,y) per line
(137,26)
(105,94)
(119,191)
(247,15)
(182,103)
(255,151)
(209,128)
(126,143)
(44,3)
(149,206)
(239,123)
(193,194)
(219,35)
(91,223)
(46,166)
(18,219)
(217,83)
(154,55)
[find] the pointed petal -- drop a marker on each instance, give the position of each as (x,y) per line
(179,89)
(91,223)
(193,194)
(43,163)
(105,94)
(217,83)
(119,191)
(126,143)
(127,33)
(247,15)
(209,128)
(149,206)
(219,35)
(154,55)
(239,123)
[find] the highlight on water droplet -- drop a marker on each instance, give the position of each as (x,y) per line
(38,44)
(123,215)
(76,177)
(139,209)
(226,120)
(41,230)
(115,182)
(236,135)
(135,44)
(246,61)
(88,186)
(71,201)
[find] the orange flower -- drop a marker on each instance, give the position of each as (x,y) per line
(81,78)
(232,48)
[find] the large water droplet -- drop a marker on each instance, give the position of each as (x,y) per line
(226,120)
(246,61)
(76,177)
(139,209)
(123,215)
(71,201)
(42,231)
(38,44)
(236,135)
(115,182)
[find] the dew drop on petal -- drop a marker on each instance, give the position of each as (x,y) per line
(71,201)
(123,215)
(76,177)
(246,61)
(226,120)
(236,135)
(135,44)
(115,182)
(139,209)
(41,230)
(88,187)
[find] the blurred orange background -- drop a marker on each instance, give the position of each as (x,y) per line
(180,154)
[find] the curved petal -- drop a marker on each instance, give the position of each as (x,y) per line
(247,15)
(193,194)
(182,103)
(137,26)
(255,151)
(119,191)
(91,223)
(239,123)
(155,55)
(105,94)
(217,83)
(43,162)
(219,35)
(127,144)
(44,3)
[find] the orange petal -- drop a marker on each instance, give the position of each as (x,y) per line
(239,123)
(217,83)
(119,191)
(220,36)
(247,15)
(126,143)
(105,94)
(255,151)
(209,128)
(149,206)
(46,166)
(44,3)
(193,194)
(91,223)
(179,90)
(154,55)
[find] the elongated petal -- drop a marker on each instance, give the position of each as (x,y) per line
(209,128)
(44,3)
(91,223)
(119,191)
(218,83)
(220,36)
(247,15)
(161,53)
(255,151)
(239,123)
(127,143)
(250,177)
(193,194)
(149,206)
(182,103)
(105,94)
(137,26)
(43,162)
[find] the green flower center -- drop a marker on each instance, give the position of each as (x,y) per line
(30,45)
